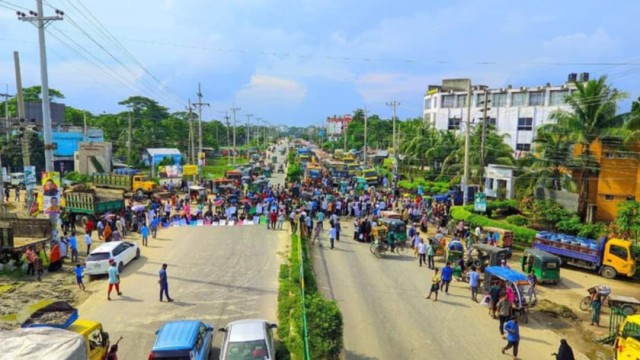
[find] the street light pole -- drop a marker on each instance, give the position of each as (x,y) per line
(467,143)
(234,109)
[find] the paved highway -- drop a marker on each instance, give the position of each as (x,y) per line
(216,274)
(386,315)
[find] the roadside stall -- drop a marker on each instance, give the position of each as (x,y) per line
(525,295)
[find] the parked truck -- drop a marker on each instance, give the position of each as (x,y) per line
(18,234)
(607,256)
(43,343)
(85,202)
(138,184)
(627,339)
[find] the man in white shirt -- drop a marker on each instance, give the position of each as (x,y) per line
(87,241)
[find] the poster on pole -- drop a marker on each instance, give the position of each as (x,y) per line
(51,192)
(30,177)
(480,202)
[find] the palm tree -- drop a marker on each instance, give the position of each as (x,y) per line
(592,118)
(420,142)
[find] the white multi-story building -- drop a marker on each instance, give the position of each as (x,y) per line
(517,112)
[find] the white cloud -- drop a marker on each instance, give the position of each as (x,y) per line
(598,42)
(271,91)
(381,87)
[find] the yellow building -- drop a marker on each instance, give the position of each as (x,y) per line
(617,181)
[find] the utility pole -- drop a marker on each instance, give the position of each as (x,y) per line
(19,97)
(226,117)
(394,104)
(248,137)
(6,112)
(467,143)
(129,159)
(345,127)
(200,104)
(192,146)
(365,136)
(485,118)
(234,110)
(41,21)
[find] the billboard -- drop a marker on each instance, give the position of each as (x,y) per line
(190,170)
(51,192)
(30,177)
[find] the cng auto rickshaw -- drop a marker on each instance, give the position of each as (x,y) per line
(393,225)
(525,295)
(482,255)
(544,265)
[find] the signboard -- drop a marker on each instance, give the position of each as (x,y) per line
(51,192)
(480,202)
(189,170)
(30,177)
(170,171)
(456,84)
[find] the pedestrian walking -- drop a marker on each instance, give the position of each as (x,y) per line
(154,226)
(435,285)
(565,352)
(422,252)
(474,283)
(87,241)
(513,336)
(100,227)
(144,233)
(79,272)
(73,246)
(494,294)
(17,199)
(316,234)
(164,283)
(504,312)
(280,219)
(596,305)
(39,267)
(337,226)
(114,279)
(430,254)
(447,275)
(332,235)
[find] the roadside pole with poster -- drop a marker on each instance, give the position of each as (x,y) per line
(480,202)
(30,185)
(51,192)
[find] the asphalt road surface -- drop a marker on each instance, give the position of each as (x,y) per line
(216,274)
(386,314)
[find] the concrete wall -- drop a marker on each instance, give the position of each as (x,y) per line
(102,153)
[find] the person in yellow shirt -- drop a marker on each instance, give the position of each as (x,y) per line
(435,285)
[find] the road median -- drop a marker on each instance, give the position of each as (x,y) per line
(310,326)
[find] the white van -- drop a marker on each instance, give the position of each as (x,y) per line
(17,179)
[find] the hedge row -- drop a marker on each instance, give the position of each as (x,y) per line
(429,187)
(521,234)
(324,319)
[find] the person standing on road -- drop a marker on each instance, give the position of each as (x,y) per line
(504,312)
(494,293)
(144,232)
(422,252)
(596,304)
(430,254)
(79,270)
(435,285)
(164,283)
(100,227)
(513,336)
(447,275)
(474,282)
(73,246)
(114,279)
(87,241)
(332,235)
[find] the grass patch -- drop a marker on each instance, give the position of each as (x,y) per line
(556,310)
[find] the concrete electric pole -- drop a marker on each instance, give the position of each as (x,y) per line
(226,118)
(248,137)
(364,111)
(200,104)
(7,116)
(234,110)
(394,105)
(467,144)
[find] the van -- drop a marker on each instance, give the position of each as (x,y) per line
(183,339)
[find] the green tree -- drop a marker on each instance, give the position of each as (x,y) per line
(592,118)
(628,219)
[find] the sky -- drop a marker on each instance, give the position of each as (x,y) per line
(295,62)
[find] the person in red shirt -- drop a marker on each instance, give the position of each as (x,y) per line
(273,217)
(88,227)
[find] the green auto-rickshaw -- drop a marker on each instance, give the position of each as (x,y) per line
(394,225)
(544,265)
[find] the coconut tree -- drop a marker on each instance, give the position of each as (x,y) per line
(592,118)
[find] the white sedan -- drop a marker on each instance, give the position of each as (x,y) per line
(122,252)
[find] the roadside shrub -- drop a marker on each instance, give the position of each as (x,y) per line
(517,220)
(294,172)
(521,234)
(325,328)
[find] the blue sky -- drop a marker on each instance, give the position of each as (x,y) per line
(297,62)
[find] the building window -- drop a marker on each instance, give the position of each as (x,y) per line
(523,147)
(622,155)
(519,99)
(499,100)
(608,197)
(491,122)
(448,101)
(427,103)
(461,101)
(631,198)
(558,97)
(454,124)
(608,155)
(525,124)
(536,98)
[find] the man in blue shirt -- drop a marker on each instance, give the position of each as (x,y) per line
(114,279)
(144,232)
(513,336)
(320,219)
(447,275)
(474,282)
(73,245)
(164,284)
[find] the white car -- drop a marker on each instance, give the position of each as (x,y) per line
(122,252)
(248,339)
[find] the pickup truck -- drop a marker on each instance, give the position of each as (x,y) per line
(88,202)
(608,256)
(138,183)
(43,343)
